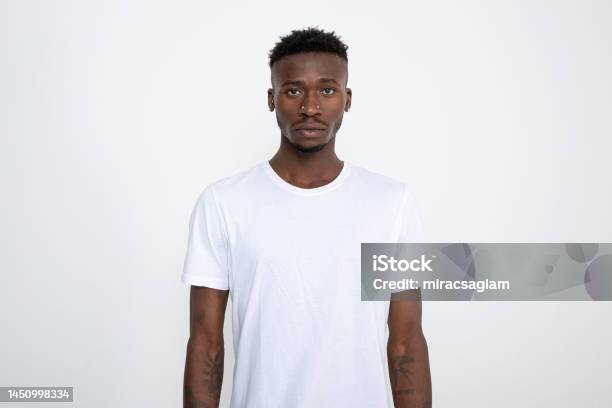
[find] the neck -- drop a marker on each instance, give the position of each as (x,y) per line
(306,170)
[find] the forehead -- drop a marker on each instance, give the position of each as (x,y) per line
(309,65)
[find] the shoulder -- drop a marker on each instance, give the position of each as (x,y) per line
(230,187)
(382,184)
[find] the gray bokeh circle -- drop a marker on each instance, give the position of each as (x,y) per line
(598,278)
(581,252)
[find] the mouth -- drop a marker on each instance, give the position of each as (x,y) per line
(314,132)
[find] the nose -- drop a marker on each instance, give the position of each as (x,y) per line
(310,104)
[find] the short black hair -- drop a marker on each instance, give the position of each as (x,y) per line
(311,39)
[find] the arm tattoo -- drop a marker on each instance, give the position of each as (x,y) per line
(399,365)
(213,374)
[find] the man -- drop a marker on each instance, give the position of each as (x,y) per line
(283,238)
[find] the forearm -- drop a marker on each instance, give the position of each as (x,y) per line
(409,372)
(203,373)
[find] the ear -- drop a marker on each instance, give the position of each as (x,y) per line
(271,99)
(349,98)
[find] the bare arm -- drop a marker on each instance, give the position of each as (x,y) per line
(205,348)
(407,354)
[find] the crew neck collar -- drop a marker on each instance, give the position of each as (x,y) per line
(335,183)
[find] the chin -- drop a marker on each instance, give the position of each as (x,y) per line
(308,145)
(309,148)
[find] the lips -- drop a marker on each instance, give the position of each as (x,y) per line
(310,129)
(310,132)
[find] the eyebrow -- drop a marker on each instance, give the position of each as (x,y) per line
(297,82)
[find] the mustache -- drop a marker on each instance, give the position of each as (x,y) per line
(310,123)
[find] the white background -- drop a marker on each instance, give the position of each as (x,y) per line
(115,115)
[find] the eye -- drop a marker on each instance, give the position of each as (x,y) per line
(295,92)
(333,91)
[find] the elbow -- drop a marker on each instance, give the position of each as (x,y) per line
(399,343)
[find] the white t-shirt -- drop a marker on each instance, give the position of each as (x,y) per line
(291,259)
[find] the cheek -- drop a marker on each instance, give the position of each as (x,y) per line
(285,119)
(336,106)
(334,112)
(288,109)
(282,113)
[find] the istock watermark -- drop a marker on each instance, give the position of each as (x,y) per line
(383,263)
(487,271)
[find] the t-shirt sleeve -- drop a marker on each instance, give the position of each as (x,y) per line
(206,261)
(411,224)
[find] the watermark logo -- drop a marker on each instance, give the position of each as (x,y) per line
(382,263)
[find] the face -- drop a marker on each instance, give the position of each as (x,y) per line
(310,97)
